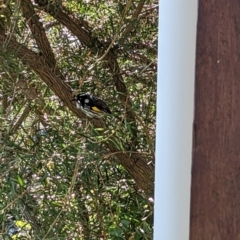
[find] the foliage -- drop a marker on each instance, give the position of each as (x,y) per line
(62,175)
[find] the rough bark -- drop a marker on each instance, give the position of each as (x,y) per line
(215,193)
(135,163)
(80,29)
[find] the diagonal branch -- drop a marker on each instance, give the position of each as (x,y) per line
(135,163)
(31,95)
(77,27)
(20,120)
(134,18)
(39,33)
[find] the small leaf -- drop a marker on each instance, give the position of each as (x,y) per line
(20,181)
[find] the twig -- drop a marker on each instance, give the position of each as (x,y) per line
(134,17)
(20,120)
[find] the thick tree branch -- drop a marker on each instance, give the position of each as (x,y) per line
(38,65)
(136,165)
(138,168)
(39,33)
(85,37)
(77,27)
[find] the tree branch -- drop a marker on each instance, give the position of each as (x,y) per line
(39,33)
(135,15)
(77,27)
(20,119)
(137,166)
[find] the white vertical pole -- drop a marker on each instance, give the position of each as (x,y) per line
(175,100)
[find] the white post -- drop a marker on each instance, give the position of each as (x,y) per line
(175,103)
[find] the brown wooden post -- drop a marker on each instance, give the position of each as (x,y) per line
(215,191)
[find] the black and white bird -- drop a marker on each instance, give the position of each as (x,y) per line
(92,106)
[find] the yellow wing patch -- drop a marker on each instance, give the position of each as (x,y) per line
(96,109)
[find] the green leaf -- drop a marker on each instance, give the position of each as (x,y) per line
(20,181)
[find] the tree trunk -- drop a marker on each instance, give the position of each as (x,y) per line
(215,193)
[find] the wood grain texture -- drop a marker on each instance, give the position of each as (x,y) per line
(215,193)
